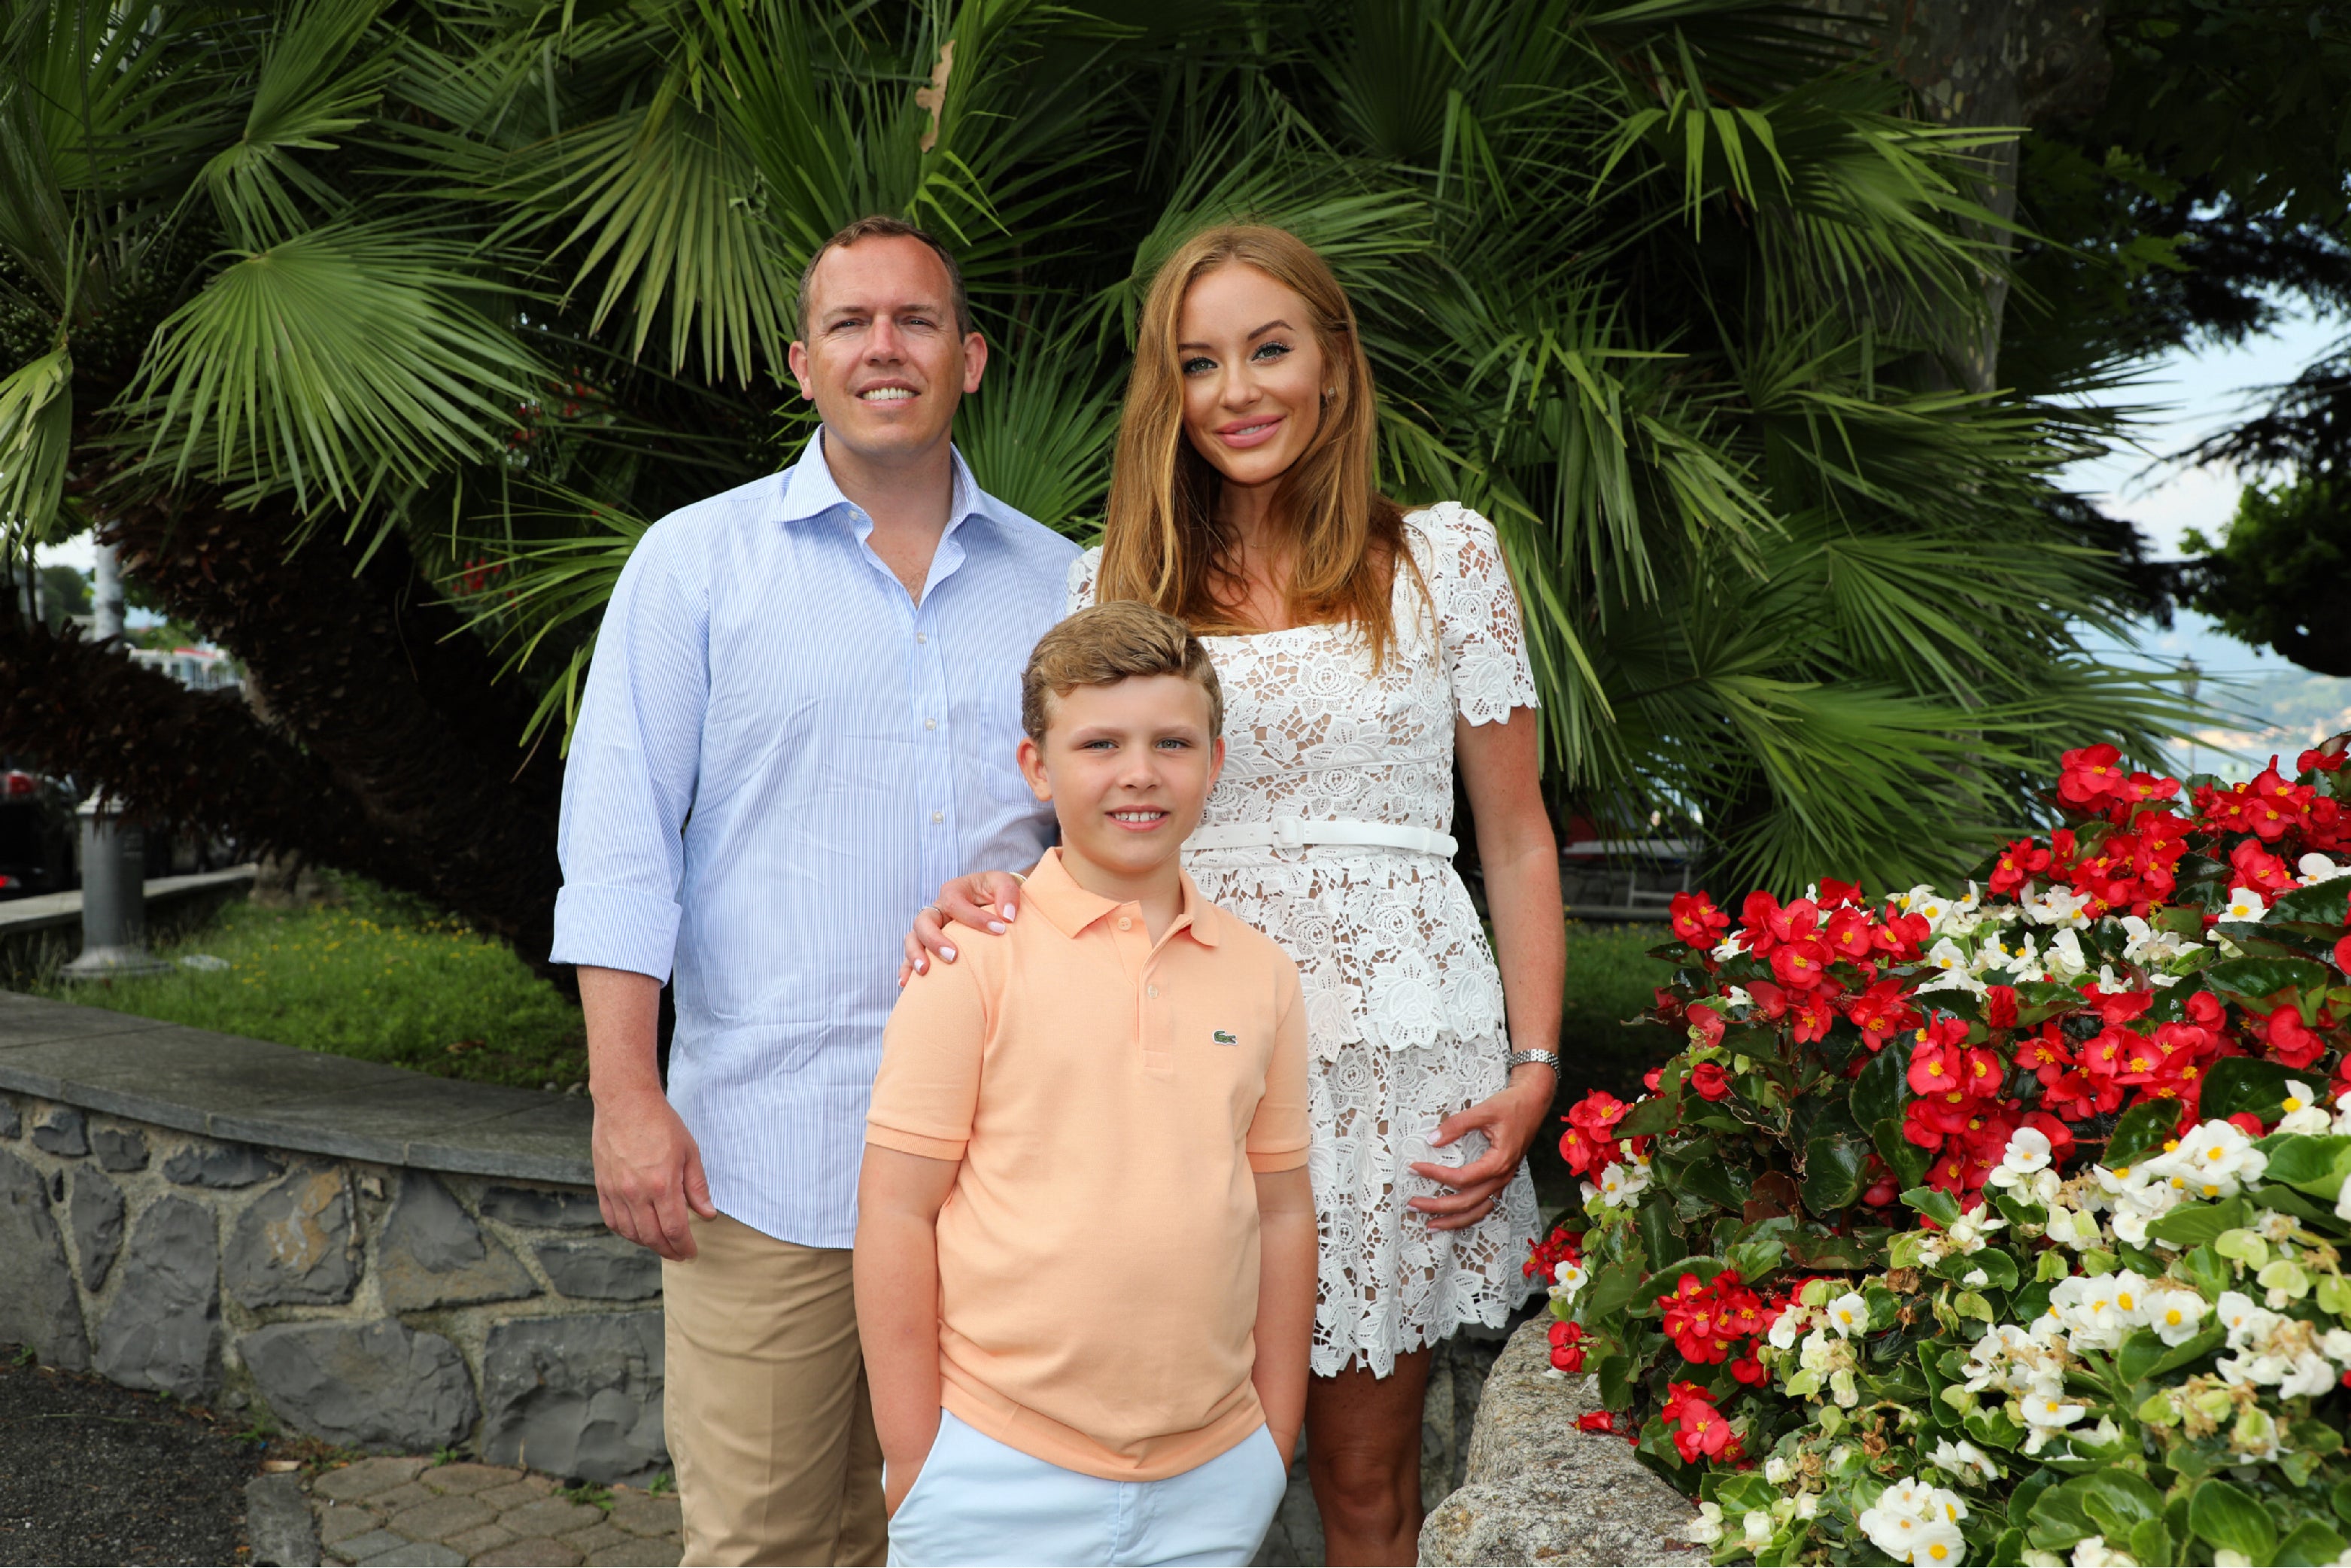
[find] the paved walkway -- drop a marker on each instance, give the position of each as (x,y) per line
(412,1510)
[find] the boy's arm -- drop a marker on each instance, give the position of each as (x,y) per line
(1285,1301)
(898,1279)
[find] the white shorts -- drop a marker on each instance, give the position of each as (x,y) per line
(976,1501)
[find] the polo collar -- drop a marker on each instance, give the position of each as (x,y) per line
(1053,893)
(810,490)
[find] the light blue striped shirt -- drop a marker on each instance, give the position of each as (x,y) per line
(778,759)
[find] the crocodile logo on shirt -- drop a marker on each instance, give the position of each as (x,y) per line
(1226,1037)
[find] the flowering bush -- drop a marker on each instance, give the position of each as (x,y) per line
(2006,1225)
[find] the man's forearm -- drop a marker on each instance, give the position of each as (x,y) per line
(897,1278)
(623,1009)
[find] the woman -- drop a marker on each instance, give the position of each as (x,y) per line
(1363,651)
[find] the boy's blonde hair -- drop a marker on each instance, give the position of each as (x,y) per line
(1106,643)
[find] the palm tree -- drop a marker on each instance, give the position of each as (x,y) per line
(359,323)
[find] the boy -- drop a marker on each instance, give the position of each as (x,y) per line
(1085,1243)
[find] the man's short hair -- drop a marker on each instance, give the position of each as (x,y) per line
(1106,643)
(879,226)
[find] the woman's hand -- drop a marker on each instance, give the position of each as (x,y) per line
(1510,1121)
(984,901)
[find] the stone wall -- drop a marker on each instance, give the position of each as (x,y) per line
(375,1306)
(371,1256)
(1537,1491)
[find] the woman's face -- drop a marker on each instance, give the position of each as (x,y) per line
(1253,374)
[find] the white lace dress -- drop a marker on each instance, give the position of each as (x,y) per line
(1405,1003)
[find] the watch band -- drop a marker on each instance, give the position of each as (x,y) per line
(1518,1059)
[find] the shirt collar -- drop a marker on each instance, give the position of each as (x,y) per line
(1054,894)
(810,491)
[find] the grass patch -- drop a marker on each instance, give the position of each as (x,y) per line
(1610,977)
(381,978)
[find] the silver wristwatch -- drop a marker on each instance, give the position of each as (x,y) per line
(1518,1059)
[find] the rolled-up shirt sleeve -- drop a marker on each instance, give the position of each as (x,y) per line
(635,757)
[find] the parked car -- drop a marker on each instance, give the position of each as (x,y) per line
(38,829)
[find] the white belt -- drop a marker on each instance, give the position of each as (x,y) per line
(1297,832)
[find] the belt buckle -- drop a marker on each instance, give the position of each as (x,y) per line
(1289,832)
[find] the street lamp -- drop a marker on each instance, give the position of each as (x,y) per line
(113,857)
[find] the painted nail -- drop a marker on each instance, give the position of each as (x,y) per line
(997,926)
(948,954)
(1012,911)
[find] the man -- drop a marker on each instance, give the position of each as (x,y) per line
(802,717)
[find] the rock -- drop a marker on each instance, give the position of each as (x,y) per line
(38,1305)
(575,1396)
(59,1132)
(11,1123)
(1541,1491)
(614,1270)
(294,1244)
(120,1149)
(559,1210)
(432,1254)
(369,1477)
(96,1214)
(163,1331)
(202,1164)
(277,1523)
(363,1385)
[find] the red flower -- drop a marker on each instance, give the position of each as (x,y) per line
(2000,1006)
(2044,1055)
(1769,998)
(1981,1072)
(1749,1371)
(1710,1082)
(2118,1007)
(2018,864)
(1708,1022)
(1696,920)
(1799,965)
(1935,1069)
(1880,1013)
(1849,935)
(1567,1346)
(2315,760)
(2343,955)
(2089,776)
(2290,1039)
(1834,892)
(2245,1121)
(2260,870)
(2060,1136)
(1814,1015)
(1595,1421)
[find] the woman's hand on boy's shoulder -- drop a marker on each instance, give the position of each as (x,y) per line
(982,900)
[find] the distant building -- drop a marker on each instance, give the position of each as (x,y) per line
(198,669)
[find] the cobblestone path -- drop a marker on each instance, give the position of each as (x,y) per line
(383,1511)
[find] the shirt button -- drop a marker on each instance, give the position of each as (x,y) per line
(1153,993)
(930,723)
(922,637)
(1124,924)
(939,816)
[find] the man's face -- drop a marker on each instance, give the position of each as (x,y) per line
(1128,768)
(883,360)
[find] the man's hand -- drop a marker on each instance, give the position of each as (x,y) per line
(984,901)
(898,1476)
(649,1173)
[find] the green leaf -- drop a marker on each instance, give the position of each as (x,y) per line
(1934,1203)
(2143,1131)
(2060,1517)
(1832,1173)
(2118,1501)
(1882,1090)
(2193,1223)
(1616,1287)
(1648,1118)
(2143,1356)
(2249,982)
(1909,1160)
(2314,1164)
(2325,903)
(2231,1519)
(1615,1381)
(2243,1084)
(2312,1544)
(2149,1542)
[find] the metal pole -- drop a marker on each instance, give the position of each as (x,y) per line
(106,594)
(113,900)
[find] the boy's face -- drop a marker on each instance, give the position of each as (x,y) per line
(1128,768)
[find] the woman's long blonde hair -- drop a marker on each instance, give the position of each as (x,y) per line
(1161,543)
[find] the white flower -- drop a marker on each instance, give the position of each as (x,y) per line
(2058,907)
(2052,1409)
(2075,1228)
(1622,1183)
(1964,1461)
(1757,1528)
(2094,1552)
(1568,1277)
(1938,1546)
(2211,1161)
(2066,958)
(1947,954)
(2175,1315)
(1893,1525)
(2303,1113)
(2246,1321)
(1792,1322)
(2244,904)
(1808,1505)
(1726,950)
(2028,1151)
(2309,1375)
(1817,1354)
(2316,868)
(1849,1314)
(1707,1528)
(1777,1470)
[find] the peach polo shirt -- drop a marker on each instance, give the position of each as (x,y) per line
(1109,1098)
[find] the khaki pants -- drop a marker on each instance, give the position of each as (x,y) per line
(765,1405)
